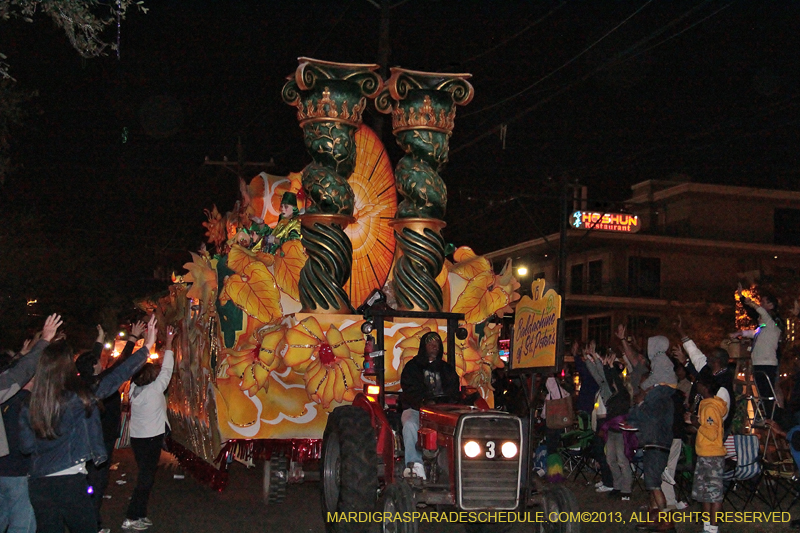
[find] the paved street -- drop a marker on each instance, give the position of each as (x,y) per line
(185,506)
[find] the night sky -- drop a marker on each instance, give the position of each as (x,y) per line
(609,93)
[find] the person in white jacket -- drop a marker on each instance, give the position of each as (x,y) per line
(764,350)
(148,425)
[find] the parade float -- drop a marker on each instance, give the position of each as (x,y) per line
(270,340)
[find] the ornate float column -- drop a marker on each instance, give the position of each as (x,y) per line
(423,109)
(330,99)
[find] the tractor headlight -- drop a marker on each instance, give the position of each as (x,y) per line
(509,450)
(472,449)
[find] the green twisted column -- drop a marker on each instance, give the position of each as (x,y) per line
(423,109)
(330,99)
(422,258)
(330,256)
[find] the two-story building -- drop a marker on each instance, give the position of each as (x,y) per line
(682,250)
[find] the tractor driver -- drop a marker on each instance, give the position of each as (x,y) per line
(426,380)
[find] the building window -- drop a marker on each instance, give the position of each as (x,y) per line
(573,331)
(595,277)
(576,279)
(644,277)
(600,330)
(642,325)
(787,227)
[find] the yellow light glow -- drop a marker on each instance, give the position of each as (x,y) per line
(31,302)
(121,333)
(108,345)
(153,356)
(742,320)
(373,390)
(472,449)
(522,271)
(509,450)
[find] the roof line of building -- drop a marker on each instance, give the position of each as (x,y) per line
(552,240)
(727,190)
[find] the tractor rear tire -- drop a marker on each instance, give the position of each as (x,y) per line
(348,468)
(559,500)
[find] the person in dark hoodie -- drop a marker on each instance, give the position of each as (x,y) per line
(426,379)
(90,368)
(653,419)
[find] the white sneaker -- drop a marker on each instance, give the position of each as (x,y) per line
(681,506)
(146,521)
(603,488)
(415,470)
(105,530)
(598,484)
(137,525)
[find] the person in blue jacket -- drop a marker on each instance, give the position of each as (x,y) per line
(61,431)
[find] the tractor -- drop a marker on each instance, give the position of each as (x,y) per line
(476,459)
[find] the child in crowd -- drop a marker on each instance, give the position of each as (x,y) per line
(708,484)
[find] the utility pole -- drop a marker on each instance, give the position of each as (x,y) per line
(384,50)
(562,270)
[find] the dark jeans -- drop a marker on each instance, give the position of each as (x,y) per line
(146,452)
(765,375)
(98,480)
(62,500)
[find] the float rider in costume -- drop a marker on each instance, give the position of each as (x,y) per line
(287,228)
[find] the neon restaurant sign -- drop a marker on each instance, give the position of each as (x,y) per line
(617,222)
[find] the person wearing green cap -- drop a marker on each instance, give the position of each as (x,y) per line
(288,226)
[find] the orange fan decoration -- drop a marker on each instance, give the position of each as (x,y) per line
(376,204)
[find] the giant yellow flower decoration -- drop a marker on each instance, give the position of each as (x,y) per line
(203,278)
(509,285)
(469,351)
(254,360)
(481,297)
(326,360)
(253,288)
(490,346)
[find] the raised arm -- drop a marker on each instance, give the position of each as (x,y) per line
(136,334)
(13,379)
(162,381)
(630,353)
(111,380)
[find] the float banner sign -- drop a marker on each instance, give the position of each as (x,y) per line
(616,222)
(536,329)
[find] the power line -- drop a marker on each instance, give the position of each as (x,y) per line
(523,30)
(619,60)
(534,84)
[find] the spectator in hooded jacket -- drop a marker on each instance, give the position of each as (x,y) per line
(653,418)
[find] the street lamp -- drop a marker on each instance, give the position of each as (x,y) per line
(522,271)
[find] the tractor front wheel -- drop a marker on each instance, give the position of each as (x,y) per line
(398,498)
(555,501)
(349,468)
